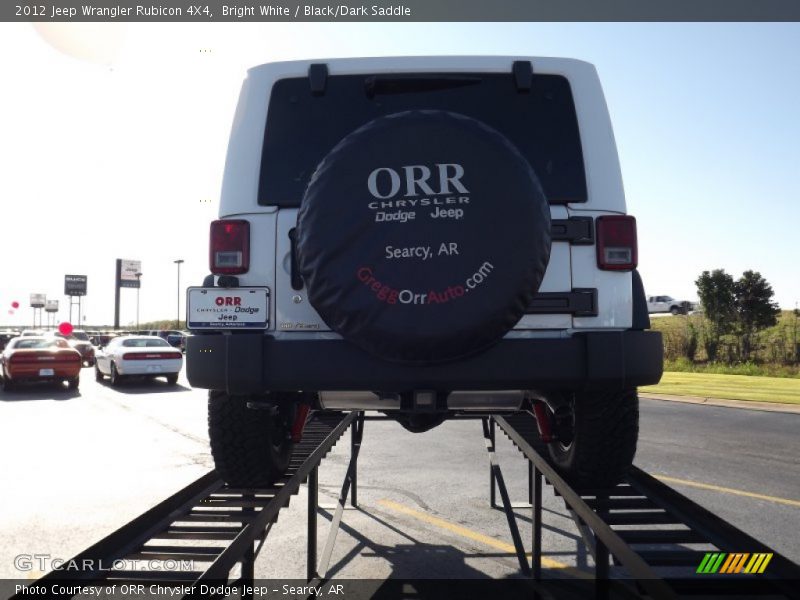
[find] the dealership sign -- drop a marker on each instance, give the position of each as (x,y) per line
(38,300)
(127,273)
(51,306)
(75,285)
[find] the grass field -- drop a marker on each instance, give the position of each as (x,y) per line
(775,350)
(732,387)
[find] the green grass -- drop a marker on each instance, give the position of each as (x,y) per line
(667,323)
(732,387)
(684,365)
(775,350)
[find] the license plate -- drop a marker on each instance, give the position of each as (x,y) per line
(46,372)
(153,369)
(227,308)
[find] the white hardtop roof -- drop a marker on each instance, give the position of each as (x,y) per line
(419,64)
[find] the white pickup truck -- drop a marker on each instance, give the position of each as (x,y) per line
(664,304)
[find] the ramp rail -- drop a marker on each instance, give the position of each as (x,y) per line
(652,554)
(209,522)
(637,531)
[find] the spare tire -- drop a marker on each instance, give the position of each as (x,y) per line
(423,236)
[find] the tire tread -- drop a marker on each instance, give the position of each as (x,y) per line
(606,434)
(241,443)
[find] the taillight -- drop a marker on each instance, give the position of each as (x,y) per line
(616,243)
(229,251)
(30,357)
(151,355)
(43,357)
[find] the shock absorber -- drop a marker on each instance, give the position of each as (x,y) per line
(299,424)
(543,421)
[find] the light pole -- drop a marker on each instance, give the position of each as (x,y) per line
(138,285)
(178,321)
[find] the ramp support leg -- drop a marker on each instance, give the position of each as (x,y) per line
(496,476)
(357,431)
(316,573)
(489,434)
(530,482)
(249,558)
(601,558)
(248,571)
(536,508)
(313,497)
(601,570)
(347,487)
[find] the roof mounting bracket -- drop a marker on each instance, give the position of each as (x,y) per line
(523,75)
(318,78)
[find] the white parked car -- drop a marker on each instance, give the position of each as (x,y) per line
(668,304)
(145,356)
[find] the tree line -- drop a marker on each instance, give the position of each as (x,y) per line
(739,326)
(742,307)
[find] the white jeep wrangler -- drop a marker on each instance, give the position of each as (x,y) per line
(422,236)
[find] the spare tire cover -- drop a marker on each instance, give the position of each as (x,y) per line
(423,236)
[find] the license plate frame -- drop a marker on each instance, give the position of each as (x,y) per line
(227,308)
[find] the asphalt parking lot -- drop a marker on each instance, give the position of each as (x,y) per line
(77,465)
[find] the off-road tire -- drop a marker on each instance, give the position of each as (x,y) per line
(114,376)
(604,433)
(251,446)
(6,383)
(675,310)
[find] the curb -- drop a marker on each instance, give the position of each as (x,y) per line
(742,404)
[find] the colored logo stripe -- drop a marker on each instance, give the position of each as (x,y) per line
(711,562)
(758,563)
(732,558)
(735,563)
(722,562)
(703,563)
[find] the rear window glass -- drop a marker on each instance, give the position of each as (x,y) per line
(302,128)
(153,343)
(32,343)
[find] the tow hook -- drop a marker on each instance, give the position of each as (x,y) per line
(543,422)
(267,405)
(300,422)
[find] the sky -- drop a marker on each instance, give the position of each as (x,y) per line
(113,140)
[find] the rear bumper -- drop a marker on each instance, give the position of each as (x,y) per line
(252,363)
(140,367)
(31,373)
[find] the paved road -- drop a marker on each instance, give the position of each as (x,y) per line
(77,465)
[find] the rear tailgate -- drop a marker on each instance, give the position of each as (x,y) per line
(541,121)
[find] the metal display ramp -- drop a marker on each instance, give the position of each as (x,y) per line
(646,539)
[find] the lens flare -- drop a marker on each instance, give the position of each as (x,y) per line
(15,305)
(65,328)
(99,43)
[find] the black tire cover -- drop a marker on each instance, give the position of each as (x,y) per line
(429,270)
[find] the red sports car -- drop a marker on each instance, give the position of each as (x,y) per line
(40,359)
